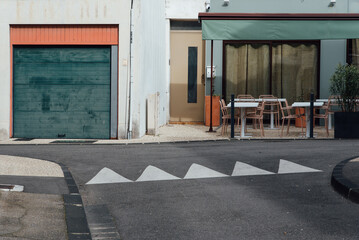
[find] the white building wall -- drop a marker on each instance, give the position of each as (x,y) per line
(149,62)
(152,54)
(184,9)
(62,12)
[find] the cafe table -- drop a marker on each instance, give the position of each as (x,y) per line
(306,105)
(271,126)
(242,106)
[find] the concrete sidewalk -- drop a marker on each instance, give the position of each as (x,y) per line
(32,216)
(39,211)
(180,133)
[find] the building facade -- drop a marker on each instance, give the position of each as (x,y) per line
(87,68)
(289,68)
(63,65)
(120,68)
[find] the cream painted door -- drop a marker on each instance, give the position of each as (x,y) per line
(187,79)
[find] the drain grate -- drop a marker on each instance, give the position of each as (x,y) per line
(11,188)
(74,141)
(7,186)
(23,139)
(276,141)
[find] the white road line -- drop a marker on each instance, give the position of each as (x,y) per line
(199,171)
(152,173)
(290,167)
(106,175)
(243,169)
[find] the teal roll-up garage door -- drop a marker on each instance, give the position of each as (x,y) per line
(61,92)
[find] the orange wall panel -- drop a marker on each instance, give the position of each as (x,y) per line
(64,34)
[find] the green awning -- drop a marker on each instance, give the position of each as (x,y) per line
(279,29)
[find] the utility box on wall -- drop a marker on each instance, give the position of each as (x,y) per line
(208,71)
(152,114)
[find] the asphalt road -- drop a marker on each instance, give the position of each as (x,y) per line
(274,206)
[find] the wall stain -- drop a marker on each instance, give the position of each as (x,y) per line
(45,102)
(91,113)
(4,134)
(96,10)
(31,10)
(18,6)
(87,9)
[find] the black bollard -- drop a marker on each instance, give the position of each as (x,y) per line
(232,116)
(311,114)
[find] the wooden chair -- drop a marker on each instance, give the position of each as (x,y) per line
(226,116)
(333,105)
(288,115)
(248,98)
(245,96)
(258,115)
(324,115)
(271,107)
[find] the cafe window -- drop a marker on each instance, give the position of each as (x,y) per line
(353,52)
(284,69)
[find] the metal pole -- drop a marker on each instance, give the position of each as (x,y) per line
(210,117)
(311,114)
(232,116)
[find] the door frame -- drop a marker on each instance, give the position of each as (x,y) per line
(202,56)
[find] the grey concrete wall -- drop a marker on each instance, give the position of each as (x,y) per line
(217,61)
(332,52)
(285,6)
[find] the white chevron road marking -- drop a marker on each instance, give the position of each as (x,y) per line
(106,175)
(290,167)
(152,173)
(199,171)
(243,169)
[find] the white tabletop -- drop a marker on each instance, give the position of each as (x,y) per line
(332,100)
(259,100)
(307,104)
(244,104)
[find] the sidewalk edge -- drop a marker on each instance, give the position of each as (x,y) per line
(75,216)
(343,185)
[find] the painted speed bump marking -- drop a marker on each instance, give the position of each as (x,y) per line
(106,175)
(290,167)
(199,171)
(243,169)
(152,173)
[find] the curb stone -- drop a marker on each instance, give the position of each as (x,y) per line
(175,142)
(76,221)
(343,185)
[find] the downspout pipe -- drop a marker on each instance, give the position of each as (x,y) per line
(129,130)
(211,95)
